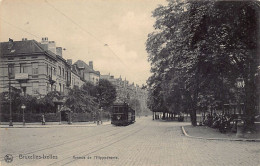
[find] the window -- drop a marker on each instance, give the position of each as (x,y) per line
(11,70)
(35,68)
(50,71)
(63,72)
(60,87)
(47,87)
(23,68)
(54,71)
(59,70)
(63,87)
(66,75)
(35,87)
(47,69)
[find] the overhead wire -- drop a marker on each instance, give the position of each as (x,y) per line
(75,23)
(19,28)
(84,30)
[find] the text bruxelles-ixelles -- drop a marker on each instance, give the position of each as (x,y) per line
(37,157)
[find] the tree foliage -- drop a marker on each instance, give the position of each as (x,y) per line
(78,100)
(106,93)
(198,51)
(136,105)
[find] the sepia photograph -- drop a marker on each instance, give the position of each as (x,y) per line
(129,83)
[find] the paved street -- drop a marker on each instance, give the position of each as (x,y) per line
(146,142)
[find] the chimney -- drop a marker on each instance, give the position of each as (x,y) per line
(44,39)
(24,39)
(91,64)
(51,45)
(59,51)
(69,61)
(10,43)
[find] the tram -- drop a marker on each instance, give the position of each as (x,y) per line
(122,114)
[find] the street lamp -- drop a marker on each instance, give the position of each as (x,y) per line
(10,98)
(240,85)
(23,107)
(239,122)
(101,110)
(56,102)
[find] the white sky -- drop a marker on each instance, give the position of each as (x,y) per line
(83,27)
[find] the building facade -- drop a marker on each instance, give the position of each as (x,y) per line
(35,68)
(127,92)
(86,71)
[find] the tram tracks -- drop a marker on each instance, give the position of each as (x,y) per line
(92,143)
(68,160)
(50,146)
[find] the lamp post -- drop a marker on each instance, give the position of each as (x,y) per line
(240,85)
(10,97)
(56,102)
(101,111)
(239,122)
(23,107)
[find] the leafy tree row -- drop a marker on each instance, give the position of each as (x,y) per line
(198,51)
(88,98)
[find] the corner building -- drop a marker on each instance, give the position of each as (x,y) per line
(34,68)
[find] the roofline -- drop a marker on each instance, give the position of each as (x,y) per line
(49,55)
(59,57)
(37,44)
(74,72)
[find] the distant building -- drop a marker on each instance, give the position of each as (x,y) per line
(126,91)
(76,79)
(86,71)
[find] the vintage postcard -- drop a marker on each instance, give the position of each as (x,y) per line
(129,82)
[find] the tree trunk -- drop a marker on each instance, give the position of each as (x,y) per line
(163,115)
(249,104)
(193,117)
(250,91)
(194,102)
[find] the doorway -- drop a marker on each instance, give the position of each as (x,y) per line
(64,116)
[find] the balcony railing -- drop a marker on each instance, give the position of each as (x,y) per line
(52,79)
(21,76)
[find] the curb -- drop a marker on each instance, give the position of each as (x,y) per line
(53,126)
(219,139)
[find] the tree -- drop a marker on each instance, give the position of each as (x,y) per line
(201,48)
(90,89)
(230,40)
(46,104)
(135,104)
(78,100)
(106,93)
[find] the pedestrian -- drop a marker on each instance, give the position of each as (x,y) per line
(43,119)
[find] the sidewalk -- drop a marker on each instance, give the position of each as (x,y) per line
(51,124)
(204,132)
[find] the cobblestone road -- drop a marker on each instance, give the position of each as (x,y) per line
(145,143)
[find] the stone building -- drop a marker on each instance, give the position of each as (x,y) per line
(86,71)
(127,92)
(35,68)
(76,80)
